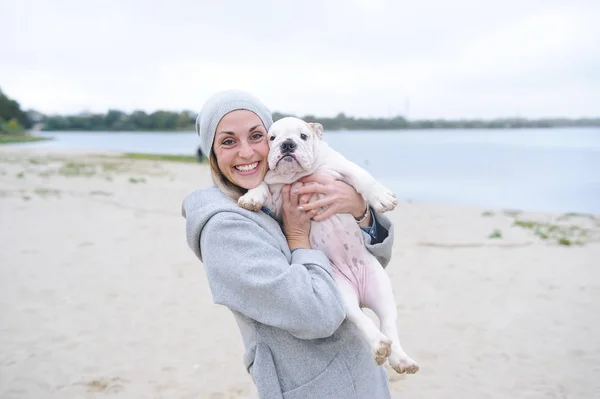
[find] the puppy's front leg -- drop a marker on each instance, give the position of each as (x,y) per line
(377,195)
(254,199)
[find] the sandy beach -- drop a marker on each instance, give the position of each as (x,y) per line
(101,297)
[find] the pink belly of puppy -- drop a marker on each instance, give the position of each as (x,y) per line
(340,238)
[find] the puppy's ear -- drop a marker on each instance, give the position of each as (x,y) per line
(317,128)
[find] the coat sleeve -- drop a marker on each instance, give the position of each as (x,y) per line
(248,273)
(382,250)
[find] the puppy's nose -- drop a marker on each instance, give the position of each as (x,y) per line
(288,146)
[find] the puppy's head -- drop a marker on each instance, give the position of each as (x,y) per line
(292,145)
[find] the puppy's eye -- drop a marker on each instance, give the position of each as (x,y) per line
(303,136)
(272,138)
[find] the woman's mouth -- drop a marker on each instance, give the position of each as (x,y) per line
(247,169)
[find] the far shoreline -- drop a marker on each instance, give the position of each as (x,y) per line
(345,130)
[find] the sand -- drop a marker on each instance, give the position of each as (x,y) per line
(100,295)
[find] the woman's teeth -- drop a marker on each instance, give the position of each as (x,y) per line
(247,168)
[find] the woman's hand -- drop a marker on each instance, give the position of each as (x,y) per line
(339,198)
(296,222)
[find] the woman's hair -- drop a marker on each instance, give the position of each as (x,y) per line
(230,189)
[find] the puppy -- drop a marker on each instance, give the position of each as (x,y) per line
(297,150)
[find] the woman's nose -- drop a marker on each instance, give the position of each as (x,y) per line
(246,150)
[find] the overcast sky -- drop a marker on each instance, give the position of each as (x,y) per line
(424,59)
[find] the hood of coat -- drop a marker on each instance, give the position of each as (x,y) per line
(201,205)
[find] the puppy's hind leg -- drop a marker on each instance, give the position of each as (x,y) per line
(380,344)
(380,299)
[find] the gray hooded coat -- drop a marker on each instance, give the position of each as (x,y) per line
(291,316)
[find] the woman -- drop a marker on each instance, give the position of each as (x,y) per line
(282,293)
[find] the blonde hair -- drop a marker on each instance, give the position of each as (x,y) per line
(229,188)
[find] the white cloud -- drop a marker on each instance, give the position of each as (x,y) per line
(464,58)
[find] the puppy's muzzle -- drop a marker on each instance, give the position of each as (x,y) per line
(288,146)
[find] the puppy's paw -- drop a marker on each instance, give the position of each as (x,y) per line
(382,348)
(254,199)
(401,363)
(250,202)
(382,199)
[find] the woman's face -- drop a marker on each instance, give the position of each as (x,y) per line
(241,148)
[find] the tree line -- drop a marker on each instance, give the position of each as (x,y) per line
(173,121)
(13,120)
(13,117)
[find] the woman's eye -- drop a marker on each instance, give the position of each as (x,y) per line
(272,138)
(303,136)
(257,136)
(227,142)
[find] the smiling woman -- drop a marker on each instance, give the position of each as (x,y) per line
(282,293)
(241,148)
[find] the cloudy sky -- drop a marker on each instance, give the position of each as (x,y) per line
(424,59)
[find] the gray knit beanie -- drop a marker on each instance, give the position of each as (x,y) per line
(222,103)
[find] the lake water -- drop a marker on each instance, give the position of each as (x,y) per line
(530,169)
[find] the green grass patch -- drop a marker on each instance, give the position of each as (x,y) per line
(112,167)
(77,169)
(160,157)
(541,234)
(565,241)
(495,234)
(564,235)
(17,138)
(36,161)
(100,193)
(512,212)
(46,192)
(487,213)
(527,224)
(576,214)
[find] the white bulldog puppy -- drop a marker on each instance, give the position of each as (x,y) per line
(297,150)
